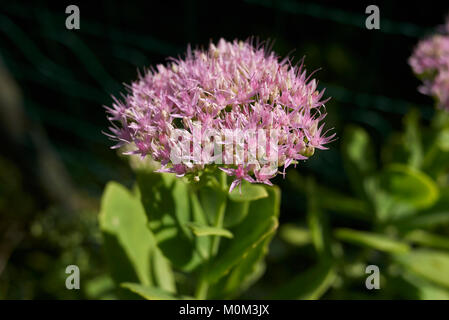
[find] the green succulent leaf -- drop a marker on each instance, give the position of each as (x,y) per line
(423,289)
(413,139)
(428,264)
(169,208)
(203,244)
(202,230)
(358,154)
(371,240)
(100,287)
(131,248)
(294,235)
(259,224)
(129,243)
(250,192)
(424,220)
(210,200)
(243,275)
(317,222)
(428,239)
(162,272)
(235,213)
(409,186)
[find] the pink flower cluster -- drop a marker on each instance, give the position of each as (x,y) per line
(230,86)
(430,60)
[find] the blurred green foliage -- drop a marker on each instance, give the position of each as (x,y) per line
(396,218)
(390,207)
(160,236)
(170,238)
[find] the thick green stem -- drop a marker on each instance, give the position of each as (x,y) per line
(218,223)
(220,214)
(203,285)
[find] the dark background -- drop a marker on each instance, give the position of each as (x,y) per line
(55,160)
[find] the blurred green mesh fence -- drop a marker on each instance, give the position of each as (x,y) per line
(34,66)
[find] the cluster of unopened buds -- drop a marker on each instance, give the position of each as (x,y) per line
(430,61)
(234,105)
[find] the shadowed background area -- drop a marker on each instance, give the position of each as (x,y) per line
(55,160)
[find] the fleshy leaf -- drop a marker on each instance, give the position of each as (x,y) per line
(409,186)
(235,213)
(202,230)
(128,241)
(359,157)
(412,138)
(258,225)
(371,240)
(250,192)
(428,239)
(317,222)
(294,235)
(162,271)
(428,264)
(167,206)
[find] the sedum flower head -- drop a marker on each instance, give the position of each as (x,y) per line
(430,60)
(260,113)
